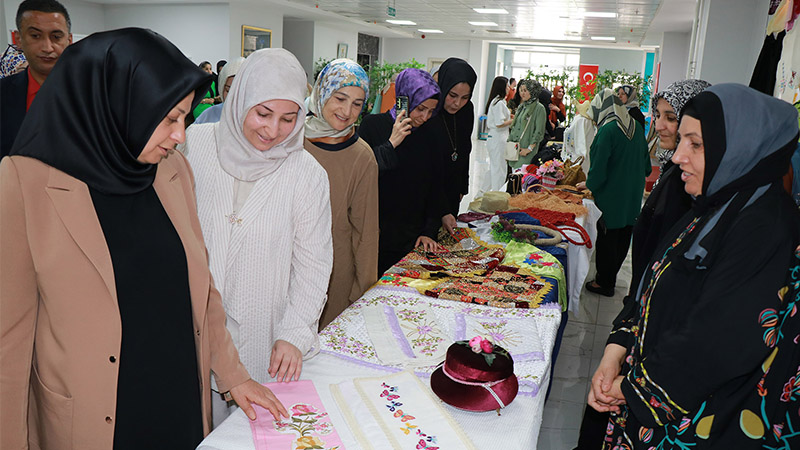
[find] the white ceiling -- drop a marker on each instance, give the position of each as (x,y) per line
(638,22)
(528,20)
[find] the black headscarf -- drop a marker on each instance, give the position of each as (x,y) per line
(748,141)
(101,104)
(458,126)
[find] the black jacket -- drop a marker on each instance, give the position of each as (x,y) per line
(13,106)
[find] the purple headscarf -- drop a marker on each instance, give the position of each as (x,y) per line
(417,85)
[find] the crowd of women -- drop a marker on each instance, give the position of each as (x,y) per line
(131,272)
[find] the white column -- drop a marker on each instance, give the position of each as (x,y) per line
(674,57)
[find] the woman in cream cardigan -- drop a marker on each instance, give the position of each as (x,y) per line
(110,324)
(265,213)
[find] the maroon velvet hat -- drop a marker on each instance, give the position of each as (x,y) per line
(467,381)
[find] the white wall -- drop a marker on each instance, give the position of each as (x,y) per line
(734,32)
(298,38)
(674,57)
(86,18)
(199,31)
(625,60)
(397,50)
(257,15)
(327,37)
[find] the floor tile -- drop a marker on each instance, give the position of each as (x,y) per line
(578,339)
(562,414)
(569,389)
(557,438)
(589,304)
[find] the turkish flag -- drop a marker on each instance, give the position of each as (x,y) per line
(586,79)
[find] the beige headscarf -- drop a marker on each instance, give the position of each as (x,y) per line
(268,74)
(607,107)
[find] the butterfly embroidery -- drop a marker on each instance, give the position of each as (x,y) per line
(424,445)
(391,388)
(403,417)
(393,405)
(389,396)
(408,428)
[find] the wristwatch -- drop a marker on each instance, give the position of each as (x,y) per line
(226,396)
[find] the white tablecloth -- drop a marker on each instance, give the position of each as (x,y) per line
(347,354)
(578,256)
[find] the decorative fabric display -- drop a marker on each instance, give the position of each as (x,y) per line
(419,284)
(472,216)
(538,262)
(519,337)
(398,412)
(347,337)
(415,337)
(308,426)
(561,221)
(477,376)
(503,287)
(464,256)
(13,61)
(545,199)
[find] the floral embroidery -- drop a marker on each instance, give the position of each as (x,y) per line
(405,420)
(499,333)
(422,332)
(305,420)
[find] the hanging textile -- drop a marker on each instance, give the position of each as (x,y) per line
(764,74)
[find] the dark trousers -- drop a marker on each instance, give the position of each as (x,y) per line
(593,429)
(611,249)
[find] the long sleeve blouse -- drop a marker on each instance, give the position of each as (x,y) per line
(272,260)
(527,135)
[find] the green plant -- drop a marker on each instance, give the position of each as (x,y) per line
(607,79)
(319,65)
(381,74)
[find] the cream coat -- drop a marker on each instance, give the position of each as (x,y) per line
(60,330)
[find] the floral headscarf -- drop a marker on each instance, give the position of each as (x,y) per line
(418,86)
(337,74)
(677,95)
(533,87)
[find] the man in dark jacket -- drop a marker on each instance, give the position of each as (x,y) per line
(43,32)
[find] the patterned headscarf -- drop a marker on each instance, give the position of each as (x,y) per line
(12,61)
(608,107)
(633,96)
(418,86)
(677,95)
(337,74)
(533,87)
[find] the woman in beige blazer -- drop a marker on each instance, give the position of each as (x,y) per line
(109,320)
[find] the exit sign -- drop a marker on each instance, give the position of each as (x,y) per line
(391,11)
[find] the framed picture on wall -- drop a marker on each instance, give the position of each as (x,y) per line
(341,51)
(255,38)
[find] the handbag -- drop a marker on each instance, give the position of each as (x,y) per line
(512,148)
(512,151)
(573,173)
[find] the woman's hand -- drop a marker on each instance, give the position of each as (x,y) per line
(286,361)
(604,396)
(525,152)
(251,392)
(581,186)
(554,107)
(428,244)
(449,223)
(401,129)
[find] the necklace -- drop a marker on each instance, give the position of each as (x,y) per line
(454,155)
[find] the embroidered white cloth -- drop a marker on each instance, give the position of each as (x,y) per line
(408,335)
(347,336)
(519,337)
(407,414)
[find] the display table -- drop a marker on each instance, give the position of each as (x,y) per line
(347,353)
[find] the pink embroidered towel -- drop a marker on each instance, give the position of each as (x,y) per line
(308,427)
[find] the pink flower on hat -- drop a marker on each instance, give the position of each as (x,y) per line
(486,346)
(476,344)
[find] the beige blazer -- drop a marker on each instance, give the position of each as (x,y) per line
(60,330)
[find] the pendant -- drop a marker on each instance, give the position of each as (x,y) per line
(454,156)
(233,219)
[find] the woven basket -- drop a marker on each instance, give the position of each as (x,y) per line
(573,173)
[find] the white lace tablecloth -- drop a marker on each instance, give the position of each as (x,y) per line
(578,256)
(348,352)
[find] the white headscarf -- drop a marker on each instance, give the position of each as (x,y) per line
(229,70)
(268,74)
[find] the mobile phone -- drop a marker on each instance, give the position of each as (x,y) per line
(401,104)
